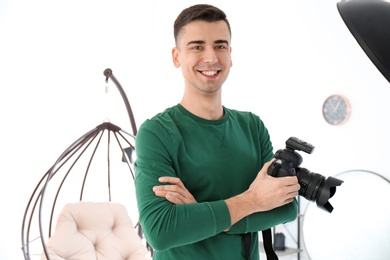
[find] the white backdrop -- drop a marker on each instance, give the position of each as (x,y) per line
(288,56)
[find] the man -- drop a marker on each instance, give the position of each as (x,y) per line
(201,168)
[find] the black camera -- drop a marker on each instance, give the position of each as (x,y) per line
(314,187)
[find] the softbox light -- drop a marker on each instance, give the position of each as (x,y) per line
(369,23)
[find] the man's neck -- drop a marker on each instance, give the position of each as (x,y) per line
(204,108)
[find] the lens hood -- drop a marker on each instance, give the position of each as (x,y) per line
(326,191)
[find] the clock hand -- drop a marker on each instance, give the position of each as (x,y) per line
(337,106)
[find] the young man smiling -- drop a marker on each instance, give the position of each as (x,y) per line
(201,168)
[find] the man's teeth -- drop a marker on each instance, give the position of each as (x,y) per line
(209,72)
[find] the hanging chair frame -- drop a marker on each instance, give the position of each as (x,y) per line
(90,140)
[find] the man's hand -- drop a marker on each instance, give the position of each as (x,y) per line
(265,193)
(174,192)
(271,192)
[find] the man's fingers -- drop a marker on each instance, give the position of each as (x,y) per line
(174,200)
(171,180)
(174,194)
(173,197)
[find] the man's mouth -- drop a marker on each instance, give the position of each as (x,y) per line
(210,73)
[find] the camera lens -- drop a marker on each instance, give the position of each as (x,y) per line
(310,183)
(314,187)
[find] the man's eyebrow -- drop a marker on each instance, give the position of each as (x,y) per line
(203,42)
(222,41)
(195,42)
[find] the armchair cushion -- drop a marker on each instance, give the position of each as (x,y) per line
(95,230)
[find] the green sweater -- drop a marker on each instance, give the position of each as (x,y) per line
(215,159)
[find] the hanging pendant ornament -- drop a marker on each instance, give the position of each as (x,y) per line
(107,102)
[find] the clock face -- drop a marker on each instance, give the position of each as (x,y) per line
(336,109)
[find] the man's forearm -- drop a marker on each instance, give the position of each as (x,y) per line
(239,207)
(265,193)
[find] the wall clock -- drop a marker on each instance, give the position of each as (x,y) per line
(336,109)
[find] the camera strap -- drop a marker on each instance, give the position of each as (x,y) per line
(246,240)
(268,248)
(267,241)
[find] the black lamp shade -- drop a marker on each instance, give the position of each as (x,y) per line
(369,23)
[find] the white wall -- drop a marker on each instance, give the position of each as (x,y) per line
(288,56)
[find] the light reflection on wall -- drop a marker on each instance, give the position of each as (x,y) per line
(358,228)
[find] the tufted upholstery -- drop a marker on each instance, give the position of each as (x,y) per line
(95,231)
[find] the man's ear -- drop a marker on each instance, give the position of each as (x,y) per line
(175,57)
(231,62)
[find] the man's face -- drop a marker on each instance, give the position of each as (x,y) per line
(203,53)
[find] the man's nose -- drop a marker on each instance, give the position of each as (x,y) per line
(210,56)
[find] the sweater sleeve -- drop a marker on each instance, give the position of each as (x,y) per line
(264,220)
(164,224)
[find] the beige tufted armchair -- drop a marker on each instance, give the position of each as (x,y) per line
(95,231)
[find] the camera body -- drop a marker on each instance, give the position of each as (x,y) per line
(314,187)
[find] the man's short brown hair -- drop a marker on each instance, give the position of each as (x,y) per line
(200,12)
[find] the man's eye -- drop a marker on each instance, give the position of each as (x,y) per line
(197,47)
(220,47)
